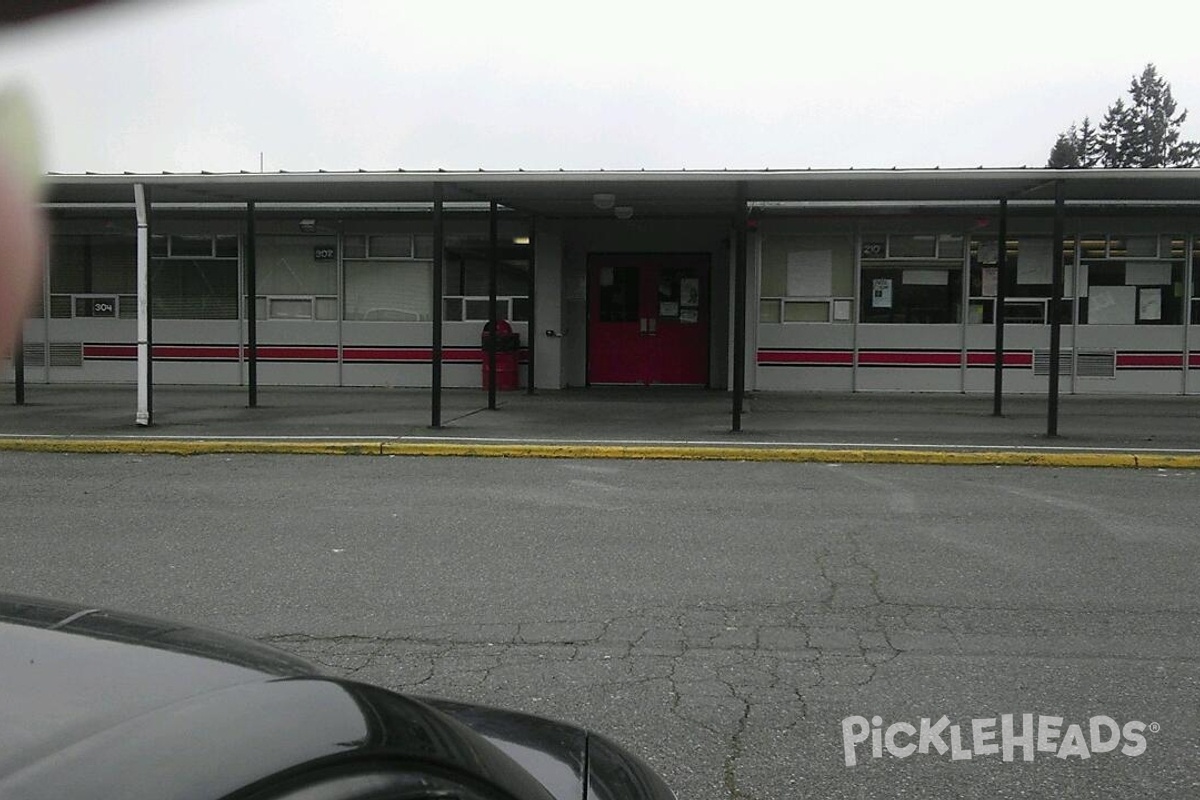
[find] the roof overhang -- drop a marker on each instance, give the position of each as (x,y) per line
(687,193)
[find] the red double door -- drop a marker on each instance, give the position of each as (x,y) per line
(648,319)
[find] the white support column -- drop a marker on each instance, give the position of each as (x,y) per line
(548,299)
(143,305)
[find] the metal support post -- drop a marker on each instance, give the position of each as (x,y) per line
(739,311)
(439,236)
(1001,276)
(19,365)
(1055,309)
(493,310)
(251,306)
(532,326)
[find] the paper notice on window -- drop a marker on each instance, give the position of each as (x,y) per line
(810,273)
(606,276)
(1149,304)
(1147,273)
(989,252)
(989,280)
(1035,261)
(841,310)
(1112,305)
(881,293)
(1070,288)
(689,292)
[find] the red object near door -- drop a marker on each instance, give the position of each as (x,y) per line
(506,345)
(507,378)
(648,319)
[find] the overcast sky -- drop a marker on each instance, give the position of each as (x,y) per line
(310,84)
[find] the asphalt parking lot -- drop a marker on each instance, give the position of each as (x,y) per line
(725,619)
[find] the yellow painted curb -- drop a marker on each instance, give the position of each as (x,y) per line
(982,457)
(189,447)
(799,454)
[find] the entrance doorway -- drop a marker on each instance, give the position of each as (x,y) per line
(648,319)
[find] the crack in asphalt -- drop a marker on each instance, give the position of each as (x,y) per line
(730,675)
(713,662)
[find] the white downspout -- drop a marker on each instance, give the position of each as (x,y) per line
(143,306)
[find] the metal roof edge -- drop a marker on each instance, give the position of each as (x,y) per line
(618,176)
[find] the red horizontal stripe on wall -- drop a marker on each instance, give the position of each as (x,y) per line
(109,351)
(1149,360)
(987,358)
(318,353)
(909,358)
(418,355)
(169,352)
(893,358)
(806,357)
(1194,359)
(296,353)
(180,352)
(400,355)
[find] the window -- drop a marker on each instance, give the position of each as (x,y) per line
(93,276)
(911,246)
(1028,280)
(1131,280)
(193,277)
(910,278)
(296,277)
(383,282)
(467,280)
(390,246)
(619,296)
(191,245)
(193,288)
(806,279)
(227,246)
(1196,280)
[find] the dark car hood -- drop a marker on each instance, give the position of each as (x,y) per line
(70,672)
(85,687)
(570,761)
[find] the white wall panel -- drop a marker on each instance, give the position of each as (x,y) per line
(805,379)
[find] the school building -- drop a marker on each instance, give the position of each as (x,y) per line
(796,280)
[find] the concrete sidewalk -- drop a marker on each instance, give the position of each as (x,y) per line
(610,422)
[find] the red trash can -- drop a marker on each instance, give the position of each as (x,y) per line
(506,344)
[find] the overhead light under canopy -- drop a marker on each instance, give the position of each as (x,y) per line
(604,200)
(623,212)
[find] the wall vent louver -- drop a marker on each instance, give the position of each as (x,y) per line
(66,354)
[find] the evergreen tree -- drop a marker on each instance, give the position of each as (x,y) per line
(1155,137)
(1087,144)
(1145,132)
(1118,136)
(1065,153)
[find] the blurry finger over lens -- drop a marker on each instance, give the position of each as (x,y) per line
(20,215)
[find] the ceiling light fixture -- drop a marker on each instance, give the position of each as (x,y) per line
(623,212)
(604,200)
